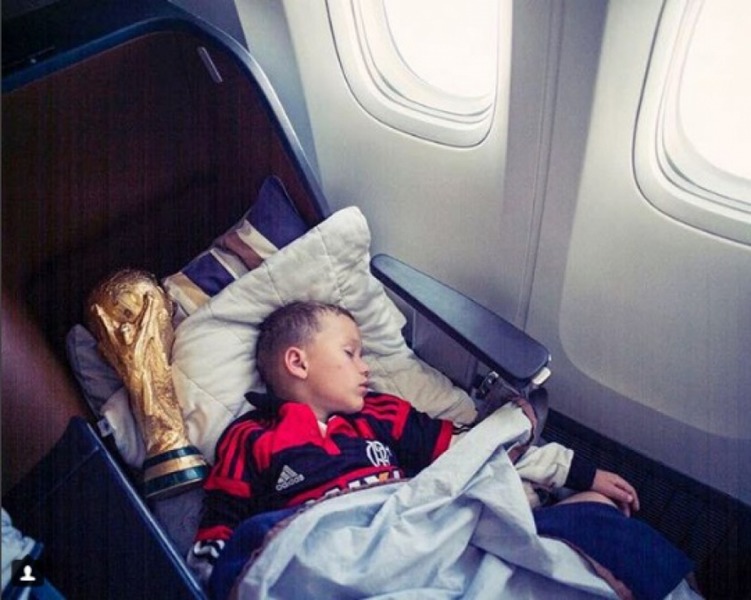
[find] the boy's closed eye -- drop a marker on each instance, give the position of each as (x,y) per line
(353,351)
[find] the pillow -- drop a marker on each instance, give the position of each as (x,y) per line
(214,352)
(271,223)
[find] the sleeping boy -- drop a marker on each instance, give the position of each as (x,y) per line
(321,430)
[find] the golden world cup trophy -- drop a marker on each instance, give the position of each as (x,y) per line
(131,317)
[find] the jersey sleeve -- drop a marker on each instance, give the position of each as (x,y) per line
(232,491)
(233,486)
(415,437)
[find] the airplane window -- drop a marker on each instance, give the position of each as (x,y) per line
(694,133)
(430,68)
(714,93)
(446,45)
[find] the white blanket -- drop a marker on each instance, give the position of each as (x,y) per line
(460,529)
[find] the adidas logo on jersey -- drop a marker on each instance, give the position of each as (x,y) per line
(288,478)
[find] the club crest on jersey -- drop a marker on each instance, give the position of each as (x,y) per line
(378,453)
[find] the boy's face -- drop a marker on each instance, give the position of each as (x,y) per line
(337,376)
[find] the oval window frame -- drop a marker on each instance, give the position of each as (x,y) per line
(672,175)
(387,89)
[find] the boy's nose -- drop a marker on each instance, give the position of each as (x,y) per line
(364,369)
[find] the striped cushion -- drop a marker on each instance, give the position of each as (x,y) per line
(271,223)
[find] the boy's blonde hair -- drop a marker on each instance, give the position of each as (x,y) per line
(294,324)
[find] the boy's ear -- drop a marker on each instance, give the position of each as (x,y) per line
(296,362)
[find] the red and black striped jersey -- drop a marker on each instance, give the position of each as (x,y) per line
(265,462)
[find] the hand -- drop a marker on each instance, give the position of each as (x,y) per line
(617,489)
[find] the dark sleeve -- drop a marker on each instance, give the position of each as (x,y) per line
(424,439)
(416,438)
(581,474)
(233,485)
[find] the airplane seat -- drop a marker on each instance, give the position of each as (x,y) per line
(132,142)
(131,136)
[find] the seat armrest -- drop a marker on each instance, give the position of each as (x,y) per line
(518,358)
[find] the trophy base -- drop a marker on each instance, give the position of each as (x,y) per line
(173,472)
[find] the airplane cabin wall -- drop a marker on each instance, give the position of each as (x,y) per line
(438,207)
(543,222)
(647,319)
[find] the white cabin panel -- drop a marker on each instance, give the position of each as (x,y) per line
(439,207)
(647,318)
